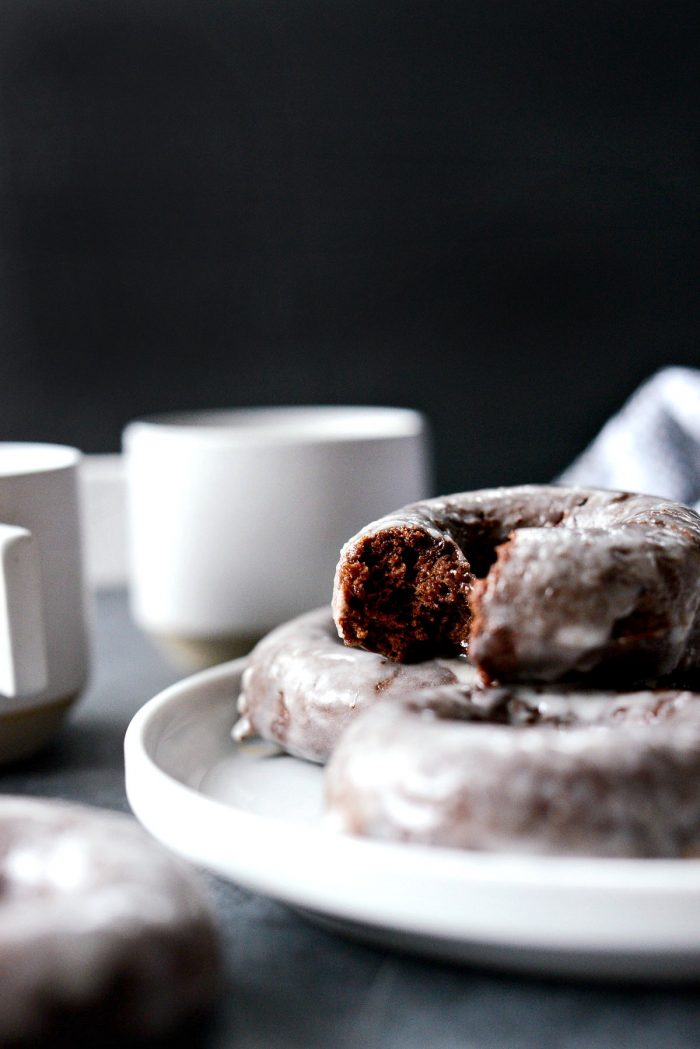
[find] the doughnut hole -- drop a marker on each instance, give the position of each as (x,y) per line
(406,595)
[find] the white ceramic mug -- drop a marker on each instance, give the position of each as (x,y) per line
(43,644)
(235,518)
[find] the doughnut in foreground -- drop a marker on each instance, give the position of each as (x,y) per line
(102,932)
(302,687)
(522,770)
(537,583)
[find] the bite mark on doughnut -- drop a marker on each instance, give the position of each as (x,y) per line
(500,656)
(406,595)
(566,584)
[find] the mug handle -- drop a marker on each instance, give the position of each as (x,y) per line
(23,665)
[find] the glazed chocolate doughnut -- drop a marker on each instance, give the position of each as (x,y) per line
(102,932)
(537,583)
(302,686)
(518,770)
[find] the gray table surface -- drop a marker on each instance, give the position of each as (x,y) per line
(287,983)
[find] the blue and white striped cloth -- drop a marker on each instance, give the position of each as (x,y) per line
(652,445)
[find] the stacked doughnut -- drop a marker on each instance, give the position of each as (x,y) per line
(537,583)
(579,611)
(302,687)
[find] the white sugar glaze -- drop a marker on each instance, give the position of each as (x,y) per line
(302,687)
(524,770)
(88,899)
(584,582)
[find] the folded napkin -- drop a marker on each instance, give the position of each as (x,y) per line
(652,445)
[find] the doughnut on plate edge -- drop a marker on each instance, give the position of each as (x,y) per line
(236,808)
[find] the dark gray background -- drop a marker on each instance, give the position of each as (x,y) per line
(487,210)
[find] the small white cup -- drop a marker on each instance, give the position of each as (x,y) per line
(235,518)
(43,643)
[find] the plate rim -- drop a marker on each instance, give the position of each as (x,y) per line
(149,787)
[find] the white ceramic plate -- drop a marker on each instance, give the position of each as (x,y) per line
(253,815)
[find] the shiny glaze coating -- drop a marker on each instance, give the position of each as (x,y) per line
(537,583)
(522,770)
(302,687)
(98,926)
